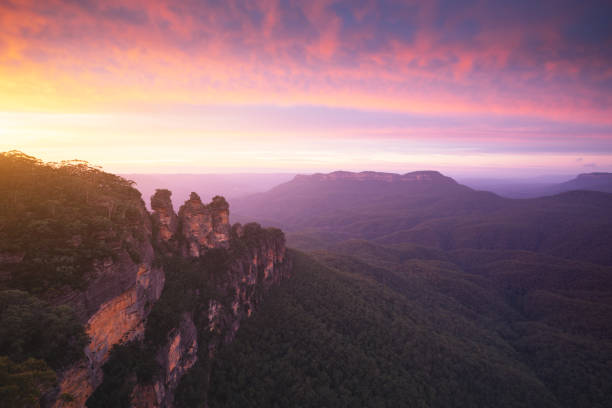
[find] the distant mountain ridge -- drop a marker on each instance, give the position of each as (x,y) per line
(415,176)
(301,202)
(542,186)
(599,181)
(430,209)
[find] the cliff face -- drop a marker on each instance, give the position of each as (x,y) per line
(123,289)
(176,358)
(256,261)
(113,309)
(247,280)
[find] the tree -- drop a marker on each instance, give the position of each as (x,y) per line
(21,384)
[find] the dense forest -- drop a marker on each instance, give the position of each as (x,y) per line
(424,332)
(428,293)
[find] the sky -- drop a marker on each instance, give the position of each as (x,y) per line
(494,88)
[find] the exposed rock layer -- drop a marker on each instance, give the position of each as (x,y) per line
(165,220)
(175,358)
(203,226)
(113,308)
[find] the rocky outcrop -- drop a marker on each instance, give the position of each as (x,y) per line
(197,228)
(203,226)
(165,221)
(257,262)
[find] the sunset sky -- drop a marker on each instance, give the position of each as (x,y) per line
(493,88)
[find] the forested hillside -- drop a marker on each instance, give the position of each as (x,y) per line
(425,329)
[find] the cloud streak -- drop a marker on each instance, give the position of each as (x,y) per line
(517,76)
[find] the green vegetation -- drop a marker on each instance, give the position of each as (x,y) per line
(188,288)
(21,384)
(34,339)
(57,218)
(415,332)
(32,328)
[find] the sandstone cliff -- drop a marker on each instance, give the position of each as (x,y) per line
(254,261)
(233,266)
(176,357)
(113,307)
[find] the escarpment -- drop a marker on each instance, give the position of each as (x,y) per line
(216,277)
(113,308)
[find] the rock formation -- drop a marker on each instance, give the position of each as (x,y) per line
(257,262)
(122,289)
(203,226)
(165,221)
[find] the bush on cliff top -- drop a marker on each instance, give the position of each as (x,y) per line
(57,218)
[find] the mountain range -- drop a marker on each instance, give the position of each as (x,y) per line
(427,208)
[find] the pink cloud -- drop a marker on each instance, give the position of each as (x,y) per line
(414,58)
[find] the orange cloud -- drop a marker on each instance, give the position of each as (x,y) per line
(99,55)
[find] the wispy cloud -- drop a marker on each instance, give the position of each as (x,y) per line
(490,76)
